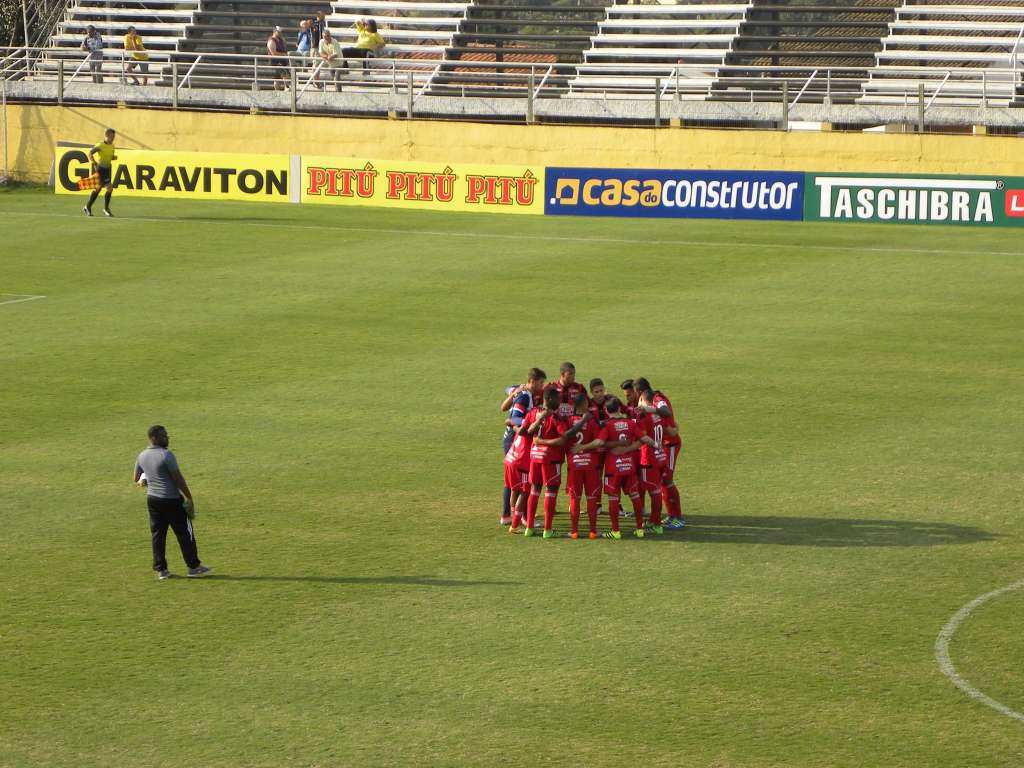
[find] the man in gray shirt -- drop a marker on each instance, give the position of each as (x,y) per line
(157,469)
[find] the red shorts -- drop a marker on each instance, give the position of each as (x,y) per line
(546,473)
(651,478)
(580,480)
(614,483)
(668,471)
(516,478)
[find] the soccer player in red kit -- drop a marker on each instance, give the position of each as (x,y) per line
(550,434)
(621,437)
(630,398)
(517,471)
(660,404)
(584,470)
(652,458)
(567,389)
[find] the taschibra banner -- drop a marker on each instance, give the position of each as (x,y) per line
(975,200)
(429,186)
(202,175)
(674,194)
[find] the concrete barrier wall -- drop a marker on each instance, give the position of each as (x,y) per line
(34,130)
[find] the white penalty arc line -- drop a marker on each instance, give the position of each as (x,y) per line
(23,297)
(544,238)
(946,664)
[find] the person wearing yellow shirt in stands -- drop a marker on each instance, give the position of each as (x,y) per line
(103,157)
(140,58)
(368,42)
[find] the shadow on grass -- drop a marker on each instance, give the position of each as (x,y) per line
(416,581)
(825,532)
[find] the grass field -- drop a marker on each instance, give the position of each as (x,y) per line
(852,408)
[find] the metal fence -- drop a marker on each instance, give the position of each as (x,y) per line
(61,75)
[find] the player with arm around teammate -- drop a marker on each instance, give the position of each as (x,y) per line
(518,402)
(622,438)
(584,469)
(659,403)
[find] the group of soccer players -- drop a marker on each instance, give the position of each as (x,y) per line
(635,441)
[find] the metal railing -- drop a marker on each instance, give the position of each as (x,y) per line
(208,73)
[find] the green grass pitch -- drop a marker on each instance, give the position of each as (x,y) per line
(852,405)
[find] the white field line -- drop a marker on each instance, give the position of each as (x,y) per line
(21,297)
(946,664)
(544,238)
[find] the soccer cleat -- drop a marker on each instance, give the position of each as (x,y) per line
(528,531)
(107,213)
(574,535)
(198,571)
(86,210)
(163,575)
(674,523)
(515,529)
(639,533)
(550,534)
(593,535)
(505,520)
(613,535)
(657,530)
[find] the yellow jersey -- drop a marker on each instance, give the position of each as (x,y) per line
(105,152)
(134,44)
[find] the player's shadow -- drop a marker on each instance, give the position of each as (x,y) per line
(826,532)
(415,581)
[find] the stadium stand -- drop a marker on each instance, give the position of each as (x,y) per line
(942,41)
(695,32)
(540,33)
(796,42)
(162,24)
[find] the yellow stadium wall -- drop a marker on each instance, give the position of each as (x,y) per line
(34,130)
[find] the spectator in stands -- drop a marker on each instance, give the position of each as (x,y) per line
(304,45)
(140,58)
(368,42)
(316,31)
(93,43)
(279,61)
(331,58)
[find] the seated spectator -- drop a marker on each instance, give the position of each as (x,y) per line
(330,56)
(93,43)
(303,47)
(140,58)
(279,59)
(368,42)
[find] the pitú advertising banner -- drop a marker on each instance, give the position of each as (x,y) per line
(203,175)
(974,200)
(433,186)
(674,194)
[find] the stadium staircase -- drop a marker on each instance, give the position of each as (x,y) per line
(541,33)
(788,42)
(649,40)
(942,42)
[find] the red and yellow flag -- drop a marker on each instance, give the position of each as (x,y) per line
(91,182)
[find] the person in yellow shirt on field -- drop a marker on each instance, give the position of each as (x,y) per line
(103,157)
(368,42)
(140,58)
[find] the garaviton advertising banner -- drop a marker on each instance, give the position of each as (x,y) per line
(674,194)
(429,186)
(974,200)
(202,175)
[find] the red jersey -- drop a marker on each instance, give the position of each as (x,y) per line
(659,401)
(553,428)
(619,429)
(587,459)
(566,396)
(652,425)
(600,411)
(518,454)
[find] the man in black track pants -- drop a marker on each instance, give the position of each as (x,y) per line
(157,469)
